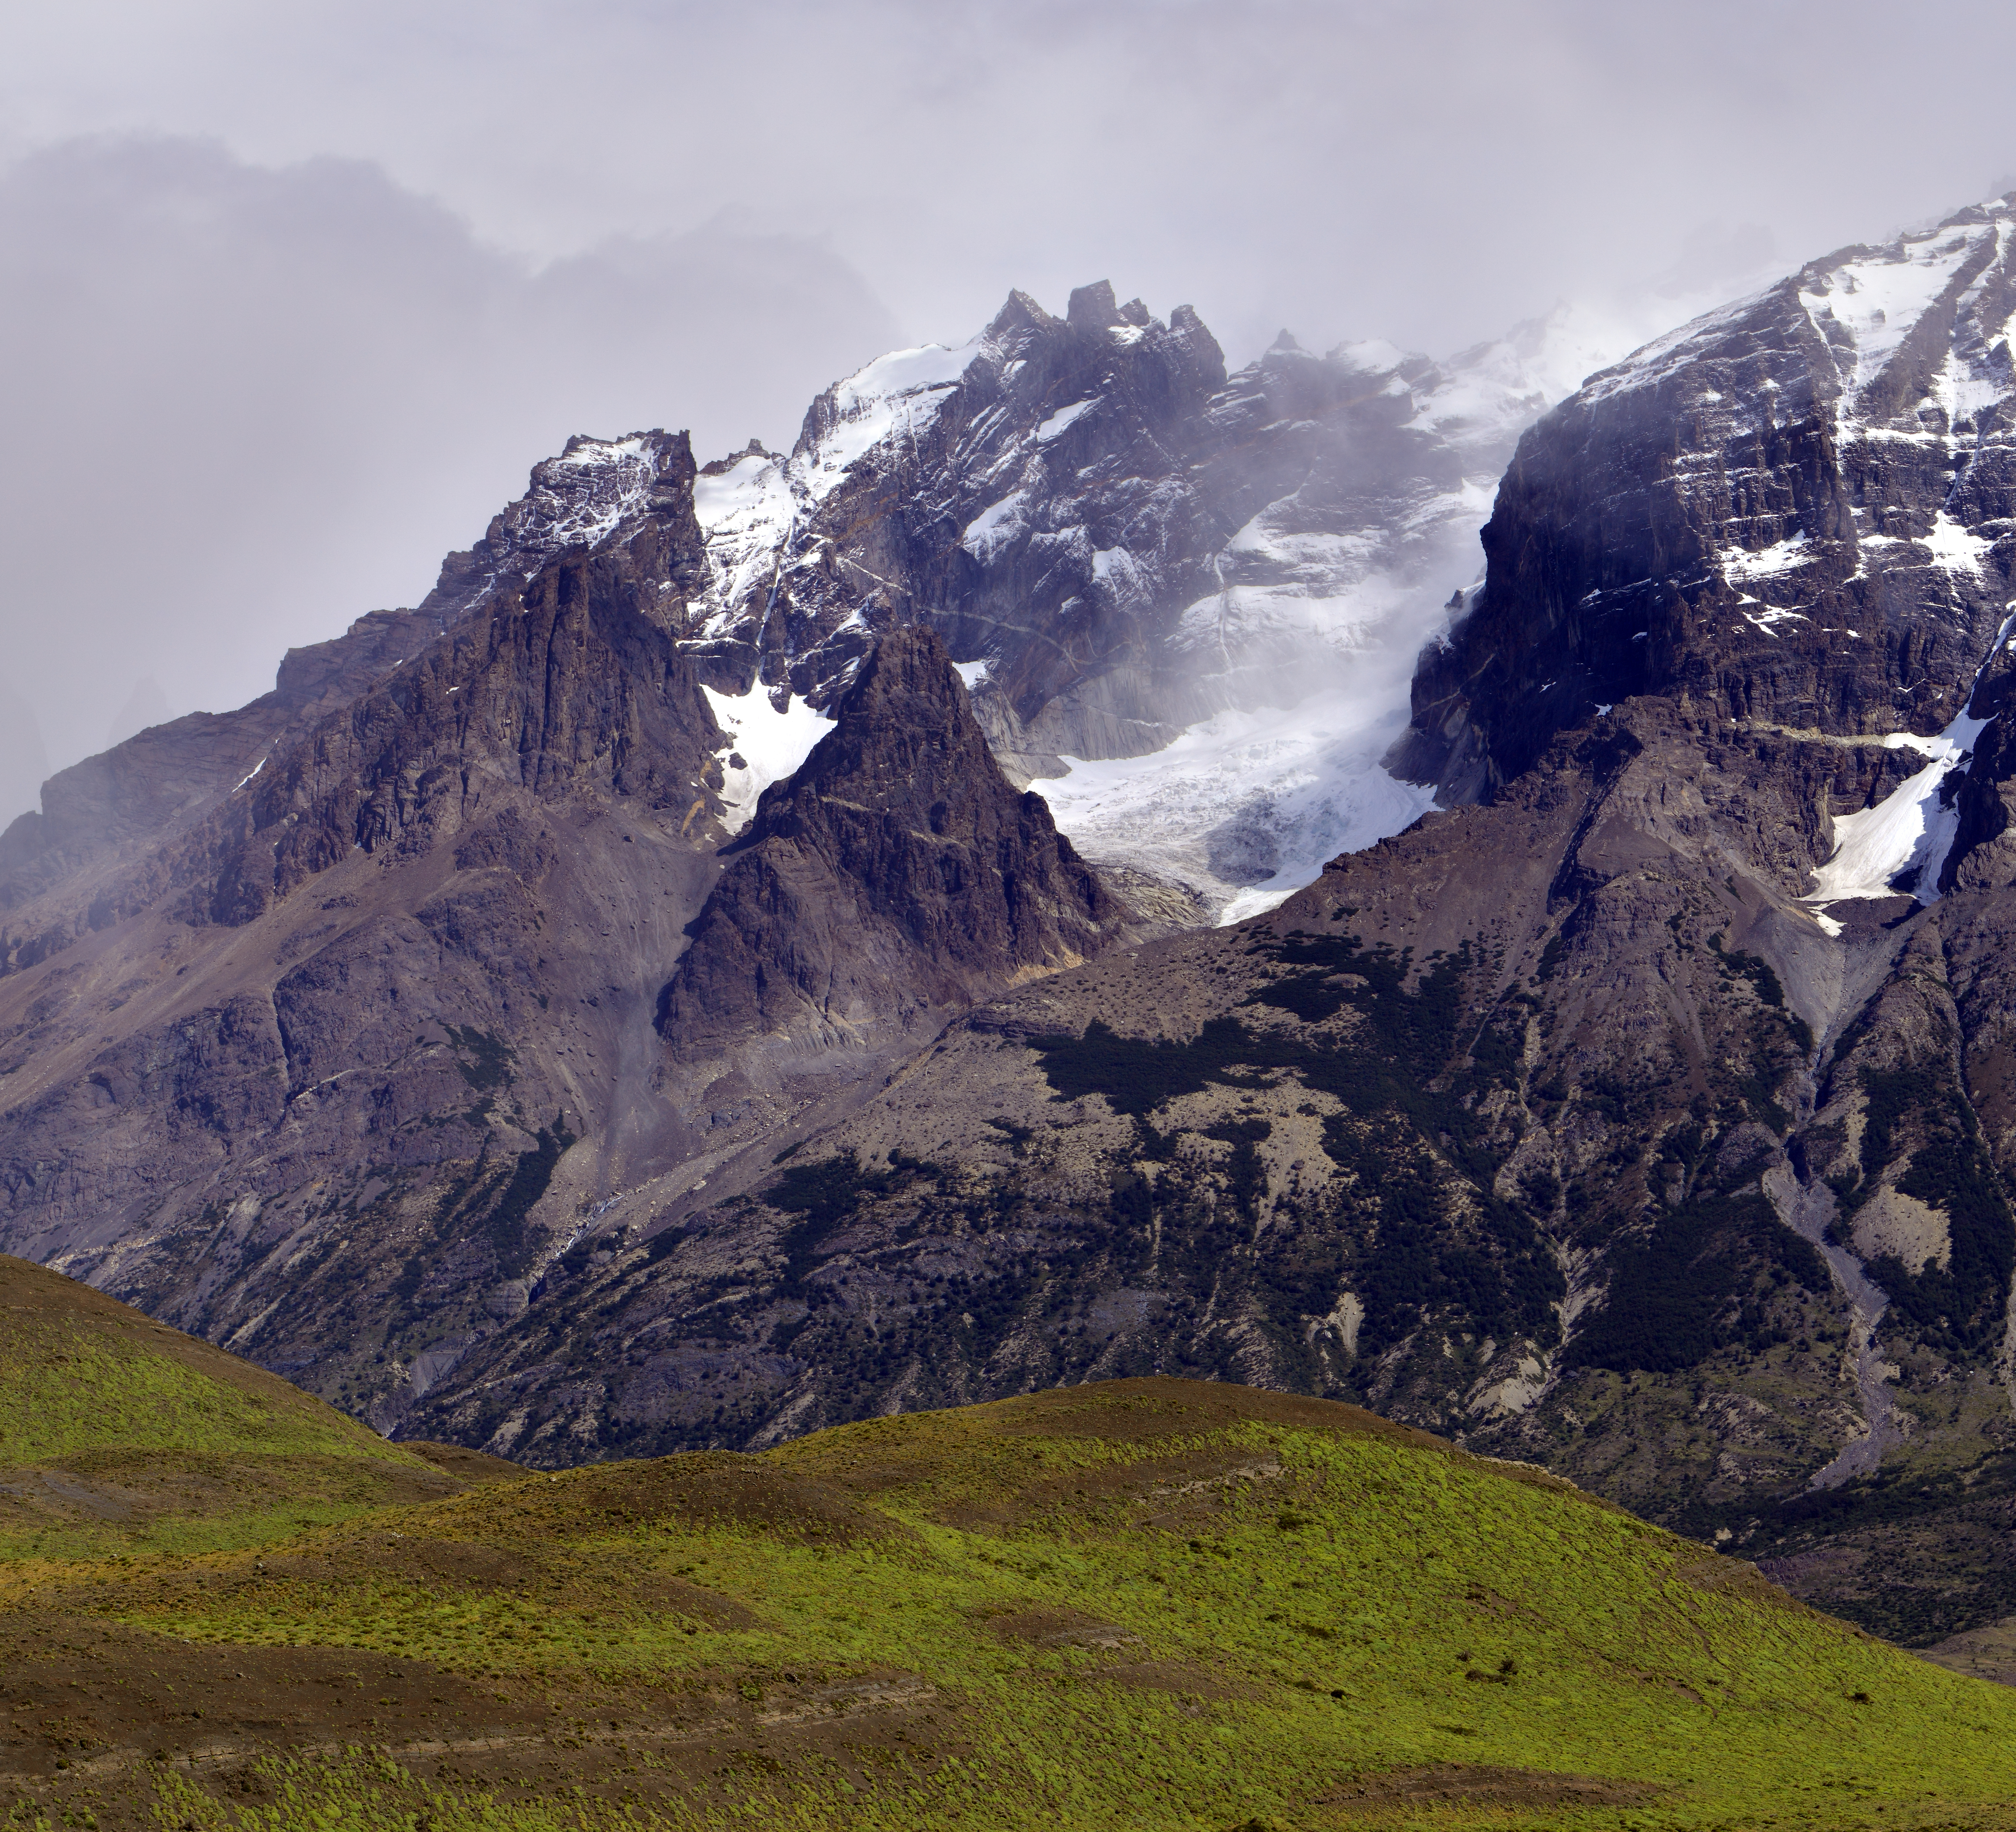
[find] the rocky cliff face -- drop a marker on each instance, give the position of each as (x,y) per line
(77,864)
(1786,515)
(324,1023)
(894,879)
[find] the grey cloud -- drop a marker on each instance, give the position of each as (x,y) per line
(1431,170)
(243,406)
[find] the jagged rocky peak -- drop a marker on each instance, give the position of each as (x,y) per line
(1794,513)
(597,492)
(1095,308)
(628,501)
(896,875)
(1020,491)
(1073,501)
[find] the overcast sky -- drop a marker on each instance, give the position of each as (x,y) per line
(293,296)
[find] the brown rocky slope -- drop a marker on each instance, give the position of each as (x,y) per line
(327,1064)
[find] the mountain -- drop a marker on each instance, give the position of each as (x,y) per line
(1642,1115)
(307,1096)
(1170,577)
(623,1006)
(888,883)
(329,1025)
(1156,1603)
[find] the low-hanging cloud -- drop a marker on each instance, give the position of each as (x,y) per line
(245,405)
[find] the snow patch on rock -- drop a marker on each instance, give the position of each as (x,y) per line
(1907,830)
(1741,567)
(1957,548)
(999,526)
(1877,300)
(1064,419)
(772,745)
(746,516)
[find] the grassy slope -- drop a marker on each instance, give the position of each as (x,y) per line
(117,1432)
(1150,1603)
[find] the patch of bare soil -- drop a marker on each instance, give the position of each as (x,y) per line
(705,1489)
(1043,1626)
(1462,1784)
(1715,1572)
(596,1577)
(1060,1627)
(1187,1489)
(1987,1653)
(93,1714)
(470,1466)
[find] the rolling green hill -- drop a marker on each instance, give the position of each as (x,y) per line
(1141,1604)
(118,1434)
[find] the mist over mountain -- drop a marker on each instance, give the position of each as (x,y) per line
(327,283)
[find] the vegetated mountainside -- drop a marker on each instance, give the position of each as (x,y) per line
(1628,1120)
(1155,1603)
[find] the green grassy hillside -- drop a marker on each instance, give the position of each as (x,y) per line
(1150,1603)
(118,1434)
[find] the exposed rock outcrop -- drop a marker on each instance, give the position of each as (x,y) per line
(896,876)
(1794,514)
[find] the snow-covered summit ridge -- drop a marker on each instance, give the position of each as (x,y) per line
(1794,510)
(1902,352)
(1870,306)
(888,400)
(750,507)
(1124,543)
